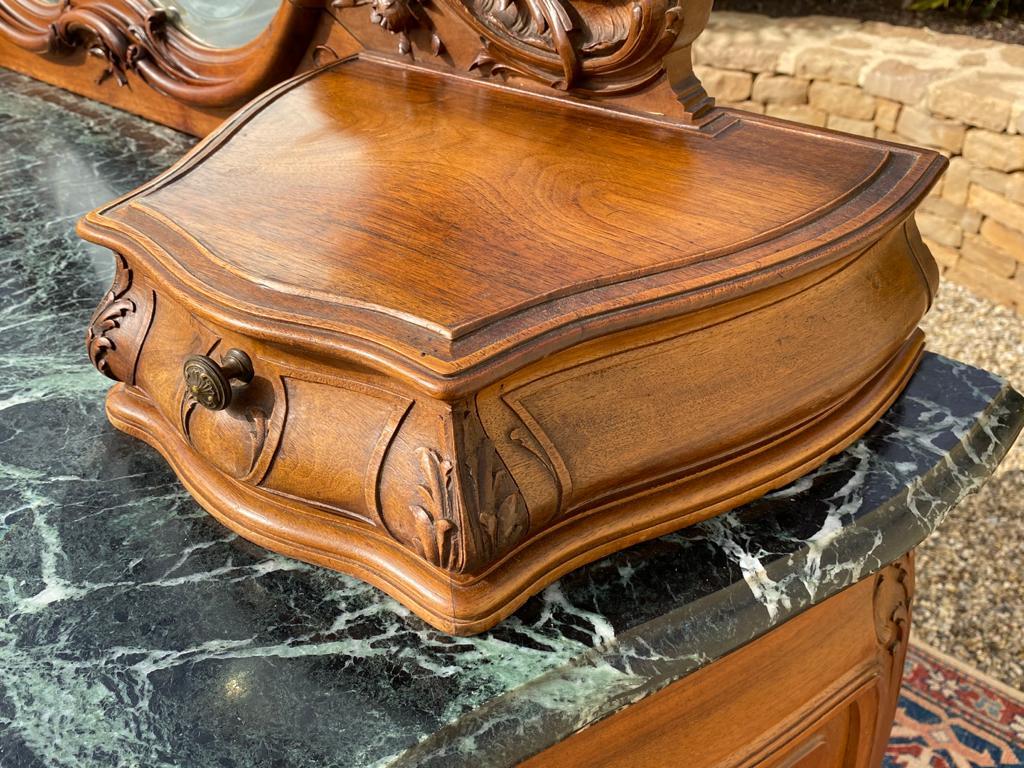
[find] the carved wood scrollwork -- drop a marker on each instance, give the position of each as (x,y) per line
(894,591)
(617,49)
(133,36)
(107,318)
(469,511)
(114,336)
(601,47)
(124,43)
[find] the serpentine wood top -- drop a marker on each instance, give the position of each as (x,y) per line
(440,224)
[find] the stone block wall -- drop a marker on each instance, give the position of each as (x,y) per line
(959,95)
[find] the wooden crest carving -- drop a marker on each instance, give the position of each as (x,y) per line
(399,17)
(469,511)
(894,591)
(617,49)
(602,47)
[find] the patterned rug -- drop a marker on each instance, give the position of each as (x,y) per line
(951,716)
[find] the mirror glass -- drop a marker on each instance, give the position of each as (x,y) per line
(221,23)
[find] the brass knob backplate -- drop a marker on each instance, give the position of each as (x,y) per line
(209,384)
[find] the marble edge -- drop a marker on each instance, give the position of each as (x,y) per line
(659,644)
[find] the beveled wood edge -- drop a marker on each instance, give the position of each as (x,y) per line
(470,606)
(628,304)
(859,681)
(356,346)
(542,302)
(879,677)
(369,554)
(721,120)
(794,453)
(929,162)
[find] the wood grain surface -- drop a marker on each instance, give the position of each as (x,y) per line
(485,220)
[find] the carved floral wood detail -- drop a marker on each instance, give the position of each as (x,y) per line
(469,511)
(399,17)
(893,590)
(605,47)
(436,515)
(125,35)
(115,310)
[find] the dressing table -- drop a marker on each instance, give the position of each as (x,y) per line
(492,309)
(503,293)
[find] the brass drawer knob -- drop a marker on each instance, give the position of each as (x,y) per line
(209,383)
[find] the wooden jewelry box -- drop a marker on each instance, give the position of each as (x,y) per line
(417,317)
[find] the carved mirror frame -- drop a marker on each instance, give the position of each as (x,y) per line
(136,38)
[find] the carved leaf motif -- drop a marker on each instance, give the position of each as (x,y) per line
(461,526)
(399,17)
(435,517)
(498,505)
(106,320)
(894,589)
(128,36)
(105,33)
(133,36)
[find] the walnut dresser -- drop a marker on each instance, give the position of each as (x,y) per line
(503,293)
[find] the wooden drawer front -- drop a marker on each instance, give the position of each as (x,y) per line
(671,401)
(293,432)
(817,692)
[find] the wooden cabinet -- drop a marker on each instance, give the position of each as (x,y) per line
(817,692)
(497,328)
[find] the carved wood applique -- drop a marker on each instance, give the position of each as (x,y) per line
(399,17)
(117,321)
(605,47)
(469,511)
(894,591)
(617,49)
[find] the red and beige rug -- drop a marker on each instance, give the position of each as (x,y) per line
(951,716)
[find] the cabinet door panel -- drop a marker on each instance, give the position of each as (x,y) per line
(816,692)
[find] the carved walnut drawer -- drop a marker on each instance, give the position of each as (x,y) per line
(457,339)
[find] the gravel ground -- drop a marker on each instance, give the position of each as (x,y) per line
(1008,28)
(970,573)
